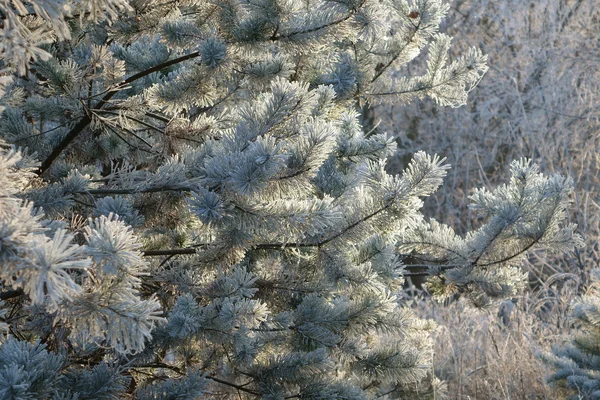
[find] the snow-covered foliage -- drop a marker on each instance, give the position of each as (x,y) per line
(577,364)
(208,217)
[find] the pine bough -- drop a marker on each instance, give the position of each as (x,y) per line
(190,207)
(577,364)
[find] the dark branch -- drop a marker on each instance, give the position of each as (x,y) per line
(212,378)
(169,252)
(105,192)
(233,385)
(85,120)
(10,294)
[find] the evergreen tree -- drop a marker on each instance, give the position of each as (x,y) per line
(577,363)
(190,207)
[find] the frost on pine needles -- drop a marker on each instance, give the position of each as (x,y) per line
(576,366)
(210,218)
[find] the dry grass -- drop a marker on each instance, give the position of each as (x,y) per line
(494,354)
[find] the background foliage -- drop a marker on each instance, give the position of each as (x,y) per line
(538,99)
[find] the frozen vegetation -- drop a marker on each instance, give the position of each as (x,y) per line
(232,199)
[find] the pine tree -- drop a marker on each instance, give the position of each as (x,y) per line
(190,206)
(577,363)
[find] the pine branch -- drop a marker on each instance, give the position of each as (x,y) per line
(86,120)
(274,37)
(134,119)
(212,378)
(438,246)
(106,192)
(512,256)
(233,385)
(169,252)
(421,89)
(11,294)
(395,57)
(128,143)
(268,246)
(73,133)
